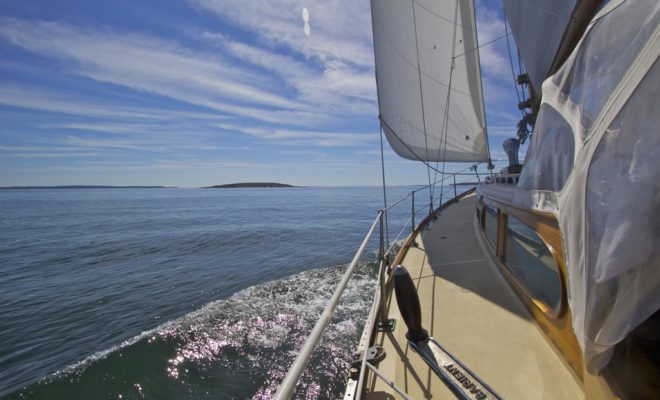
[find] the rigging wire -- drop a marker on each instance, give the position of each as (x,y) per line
(520,68)
(421,92)
(445,121)
(417,156)
(485,44)
(385,125)
(382,157)
(382,166)
(513,73)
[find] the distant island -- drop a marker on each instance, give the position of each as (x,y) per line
(250,185)
(84,187)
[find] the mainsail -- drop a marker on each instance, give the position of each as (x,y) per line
(538,28)
(429,80)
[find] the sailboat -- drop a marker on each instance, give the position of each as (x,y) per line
(543,281)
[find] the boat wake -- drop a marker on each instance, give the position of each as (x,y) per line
(240,347)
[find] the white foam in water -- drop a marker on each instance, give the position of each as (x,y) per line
(260,330)
(266,326)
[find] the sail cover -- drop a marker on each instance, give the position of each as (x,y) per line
(538,27)
(429,82)
(596,149)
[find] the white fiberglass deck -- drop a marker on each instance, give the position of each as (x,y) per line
(468,307)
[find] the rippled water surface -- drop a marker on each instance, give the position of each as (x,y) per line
(178,293)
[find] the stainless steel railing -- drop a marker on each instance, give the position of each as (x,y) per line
(378,304)
(301,361)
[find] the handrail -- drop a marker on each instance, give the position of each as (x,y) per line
(289,383)
(378,296)
(444,178)
(301,361)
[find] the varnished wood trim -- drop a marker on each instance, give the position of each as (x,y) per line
(557,326)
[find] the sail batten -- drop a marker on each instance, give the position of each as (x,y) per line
(431,103)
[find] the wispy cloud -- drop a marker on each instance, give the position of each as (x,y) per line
(52,155)
(139,62)
(332,68)
(204,78)
(341,30)
(57,101)
(244,78)
(318,138)
(494,61)
(113,143)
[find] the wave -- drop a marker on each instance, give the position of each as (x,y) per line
(240,347)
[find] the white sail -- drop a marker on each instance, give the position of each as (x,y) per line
(538,27)
(429,110)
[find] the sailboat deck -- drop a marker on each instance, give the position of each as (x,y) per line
(468,307)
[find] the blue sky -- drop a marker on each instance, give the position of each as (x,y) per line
(202,92)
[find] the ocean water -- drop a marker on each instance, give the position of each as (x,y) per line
(180,293)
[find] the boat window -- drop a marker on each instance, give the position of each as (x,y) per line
(550,158)
(529,259)
(490,225)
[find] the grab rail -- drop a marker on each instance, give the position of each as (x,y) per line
(300,363)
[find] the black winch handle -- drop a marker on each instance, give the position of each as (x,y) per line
(408,301)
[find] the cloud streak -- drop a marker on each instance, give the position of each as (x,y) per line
(244,76)
(202,78)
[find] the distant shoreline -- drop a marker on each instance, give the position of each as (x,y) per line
(250,185)
(85,187)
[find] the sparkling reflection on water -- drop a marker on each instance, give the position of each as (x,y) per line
(241,347)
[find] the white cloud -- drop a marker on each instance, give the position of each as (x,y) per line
(331,69)
(140,62)
(270,83)
(297,137)
(494,61)
(341,30)
(119,128)
(337,87)
(75,104)
(113,143)
(338,83)
(51,155)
